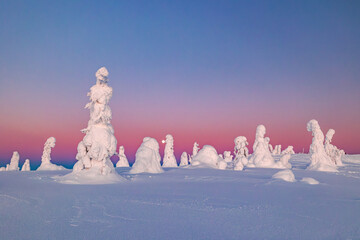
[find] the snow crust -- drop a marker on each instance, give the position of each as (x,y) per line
(26,166)
(310,181)
(320,161)
(169,157)
(286,175)
(184,161)
(46,164)
(123,162)
(147,158)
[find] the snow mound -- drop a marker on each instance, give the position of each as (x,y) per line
(207,157)
(50,167)
(89,177)
(286,175)
(310,181)
(147,157)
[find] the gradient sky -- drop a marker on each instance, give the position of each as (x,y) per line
(204,71)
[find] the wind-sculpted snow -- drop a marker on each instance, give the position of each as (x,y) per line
(286,175)
(320,161)
(200,203)
(332,151)
(14,162)
(169,157)
(123,162)
(46,164)
(147,158)
(184,161)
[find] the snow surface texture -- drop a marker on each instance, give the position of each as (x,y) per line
(320,161)
(46,164)
(199,204)
(286,175)
(206,157)
(184,159)
(147,157)
(262,156)
(99,143)
(123,162)
(288,150)
(169,157)
(241,153)
(26,166)
(14,162)
(332,151)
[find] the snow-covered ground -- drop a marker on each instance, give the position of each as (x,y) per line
(184,203)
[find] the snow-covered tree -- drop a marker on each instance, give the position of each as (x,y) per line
(184,159)
(267,140)
(241,153)
(46,164)
(227,156)
(169,157)
(332,151)
(284,160)
(123,162)
(14,162)
(320,161)
(147,158)
(288,150)
(99,142)
(261,156)
(277,150)
(26,166)
(194,151)
(206,157)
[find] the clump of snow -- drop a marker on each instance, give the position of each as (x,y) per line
(332,151)
(288,150)
(123,162)
(46,164)
(169,157)
(206,157)
(310,181)
(184,159)
(14,162)
(99,143)
(26,166)
(284,160)
(262,156)
(286,175)
(320,161)
(147,158)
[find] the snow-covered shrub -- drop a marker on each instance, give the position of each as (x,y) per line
(184,159)
(206,157)
(123,162)
(288,150)
(332,151)
(147,158)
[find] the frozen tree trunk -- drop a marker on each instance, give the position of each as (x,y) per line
(320,161)
(169,157)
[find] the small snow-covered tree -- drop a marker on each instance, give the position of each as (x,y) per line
(147,158)
(267,140)
(284,160)
(288,150)
(184,159)
(14,162)
(227,156)
(99,142)
(46,164)
(26,166)
(261,156)
(123,162)
(194,151)
(332,151)
(320,161)
(169,157)
(277,150)
(241,153)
